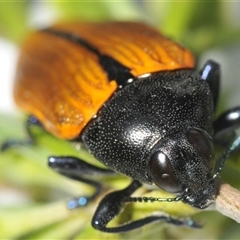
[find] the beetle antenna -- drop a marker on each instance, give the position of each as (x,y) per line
(232,146)
(152,199)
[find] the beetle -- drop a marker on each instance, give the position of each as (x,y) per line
(136,102)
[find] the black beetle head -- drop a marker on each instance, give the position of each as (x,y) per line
(184,165)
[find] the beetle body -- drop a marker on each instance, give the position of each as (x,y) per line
(133,98)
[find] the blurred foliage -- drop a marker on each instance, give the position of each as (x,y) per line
(199,25)
(13,19)
(37,209)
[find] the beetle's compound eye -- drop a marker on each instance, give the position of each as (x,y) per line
(162,173)
(203,144)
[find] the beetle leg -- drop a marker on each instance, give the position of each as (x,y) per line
(211,73)
(112,204)
(31,121)
(79,170)
(225,125)
(227,121)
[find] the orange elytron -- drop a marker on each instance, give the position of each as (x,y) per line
(61,81)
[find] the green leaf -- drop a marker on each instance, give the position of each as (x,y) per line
(97,10)
(13,19)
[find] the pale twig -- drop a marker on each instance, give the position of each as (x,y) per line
(228,202)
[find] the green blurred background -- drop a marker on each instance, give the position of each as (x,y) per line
(32,197)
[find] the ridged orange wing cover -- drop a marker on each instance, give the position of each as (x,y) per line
(63,84)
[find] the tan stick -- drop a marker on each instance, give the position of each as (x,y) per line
(228,202)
